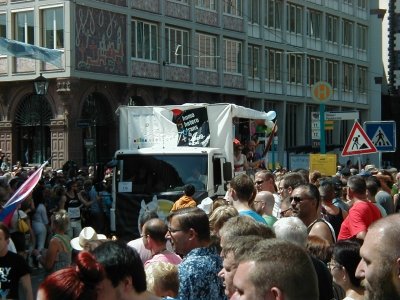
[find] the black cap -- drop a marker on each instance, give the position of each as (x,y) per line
(345,171)
(338,184)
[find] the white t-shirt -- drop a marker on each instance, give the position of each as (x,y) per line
(277,206)
(11,246)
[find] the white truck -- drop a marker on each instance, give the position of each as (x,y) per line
(163,148)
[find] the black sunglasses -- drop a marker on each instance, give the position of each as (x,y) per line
(298,199)
(283,212)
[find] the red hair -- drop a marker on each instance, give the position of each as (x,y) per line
(75,283)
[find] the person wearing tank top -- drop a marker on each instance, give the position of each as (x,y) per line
(331,213)
(305,202)
(59,252)
(73,206)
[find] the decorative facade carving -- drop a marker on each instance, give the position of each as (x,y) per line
(63,86)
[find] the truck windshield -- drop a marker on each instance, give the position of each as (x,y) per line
(156,174)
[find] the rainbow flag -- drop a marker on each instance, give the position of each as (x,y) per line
(20,195)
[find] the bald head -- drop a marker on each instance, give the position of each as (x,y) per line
(380,259)
(387,230)
(268,201)
(266,197)
(156,229)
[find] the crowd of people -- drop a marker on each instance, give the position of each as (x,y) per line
(277,235)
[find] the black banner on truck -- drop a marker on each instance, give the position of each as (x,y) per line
(193,128)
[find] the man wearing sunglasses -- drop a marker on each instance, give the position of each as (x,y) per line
(305,201)
(265,181)
(289,182)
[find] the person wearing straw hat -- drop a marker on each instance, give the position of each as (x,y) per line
(86,237)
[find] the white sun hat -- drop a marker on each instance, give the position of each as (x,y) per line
(86,235)
(206,205)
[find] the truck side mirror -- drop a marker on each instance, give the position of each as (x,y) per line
(227,171)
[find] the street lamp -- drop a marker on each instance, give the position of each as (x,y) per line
(41,85)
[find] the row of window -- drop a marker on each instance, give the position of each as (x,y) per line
(145,41)
(314,27)
(294,19)
(52,35)
(294,69)
(178,51)
(294,22)
(272,7)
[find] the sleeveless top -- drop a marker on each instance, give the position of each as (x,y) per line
(72,206)
(239,162)
(63,259)
(327,223)
(335,221)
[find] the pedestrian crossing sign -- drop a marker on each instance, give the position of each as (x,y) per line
(358,142)
(382,134)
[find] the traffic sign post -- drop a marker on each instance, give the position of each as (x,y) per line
(382,134)
(321,92)
(358,142)
(342,115)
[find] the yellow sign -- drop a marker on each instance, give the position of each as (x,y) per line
(328,125)
(325,163)
(321,91)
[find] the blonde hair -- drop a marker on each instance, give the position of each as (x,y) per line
(60,220)
(162,279)
(220,215)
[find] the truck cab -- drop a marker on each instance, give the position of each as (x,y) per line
(143,174)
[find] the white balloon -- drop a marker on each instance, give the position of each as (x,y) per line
(269,124)
(271,115)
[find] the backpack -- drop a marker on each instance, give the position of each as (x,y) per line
(22,225)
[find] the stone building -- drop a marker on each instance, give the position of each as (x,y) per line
(264,54)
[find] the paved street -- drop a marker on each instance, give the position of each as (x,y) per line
(37,277)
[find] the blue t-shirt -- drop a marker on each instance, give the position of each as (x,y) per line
(254,215)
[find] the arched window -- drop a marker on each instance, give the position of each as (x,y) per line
(32,120)
(98,135)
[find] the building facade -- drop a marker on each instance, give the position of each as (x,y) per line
(391,95)
(261,54)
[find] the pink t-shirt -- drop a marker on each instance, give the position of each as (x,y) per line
(141,249)
(361,215)
(165,256)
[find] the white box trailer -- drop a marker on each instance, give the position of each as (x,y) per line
(163,148)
